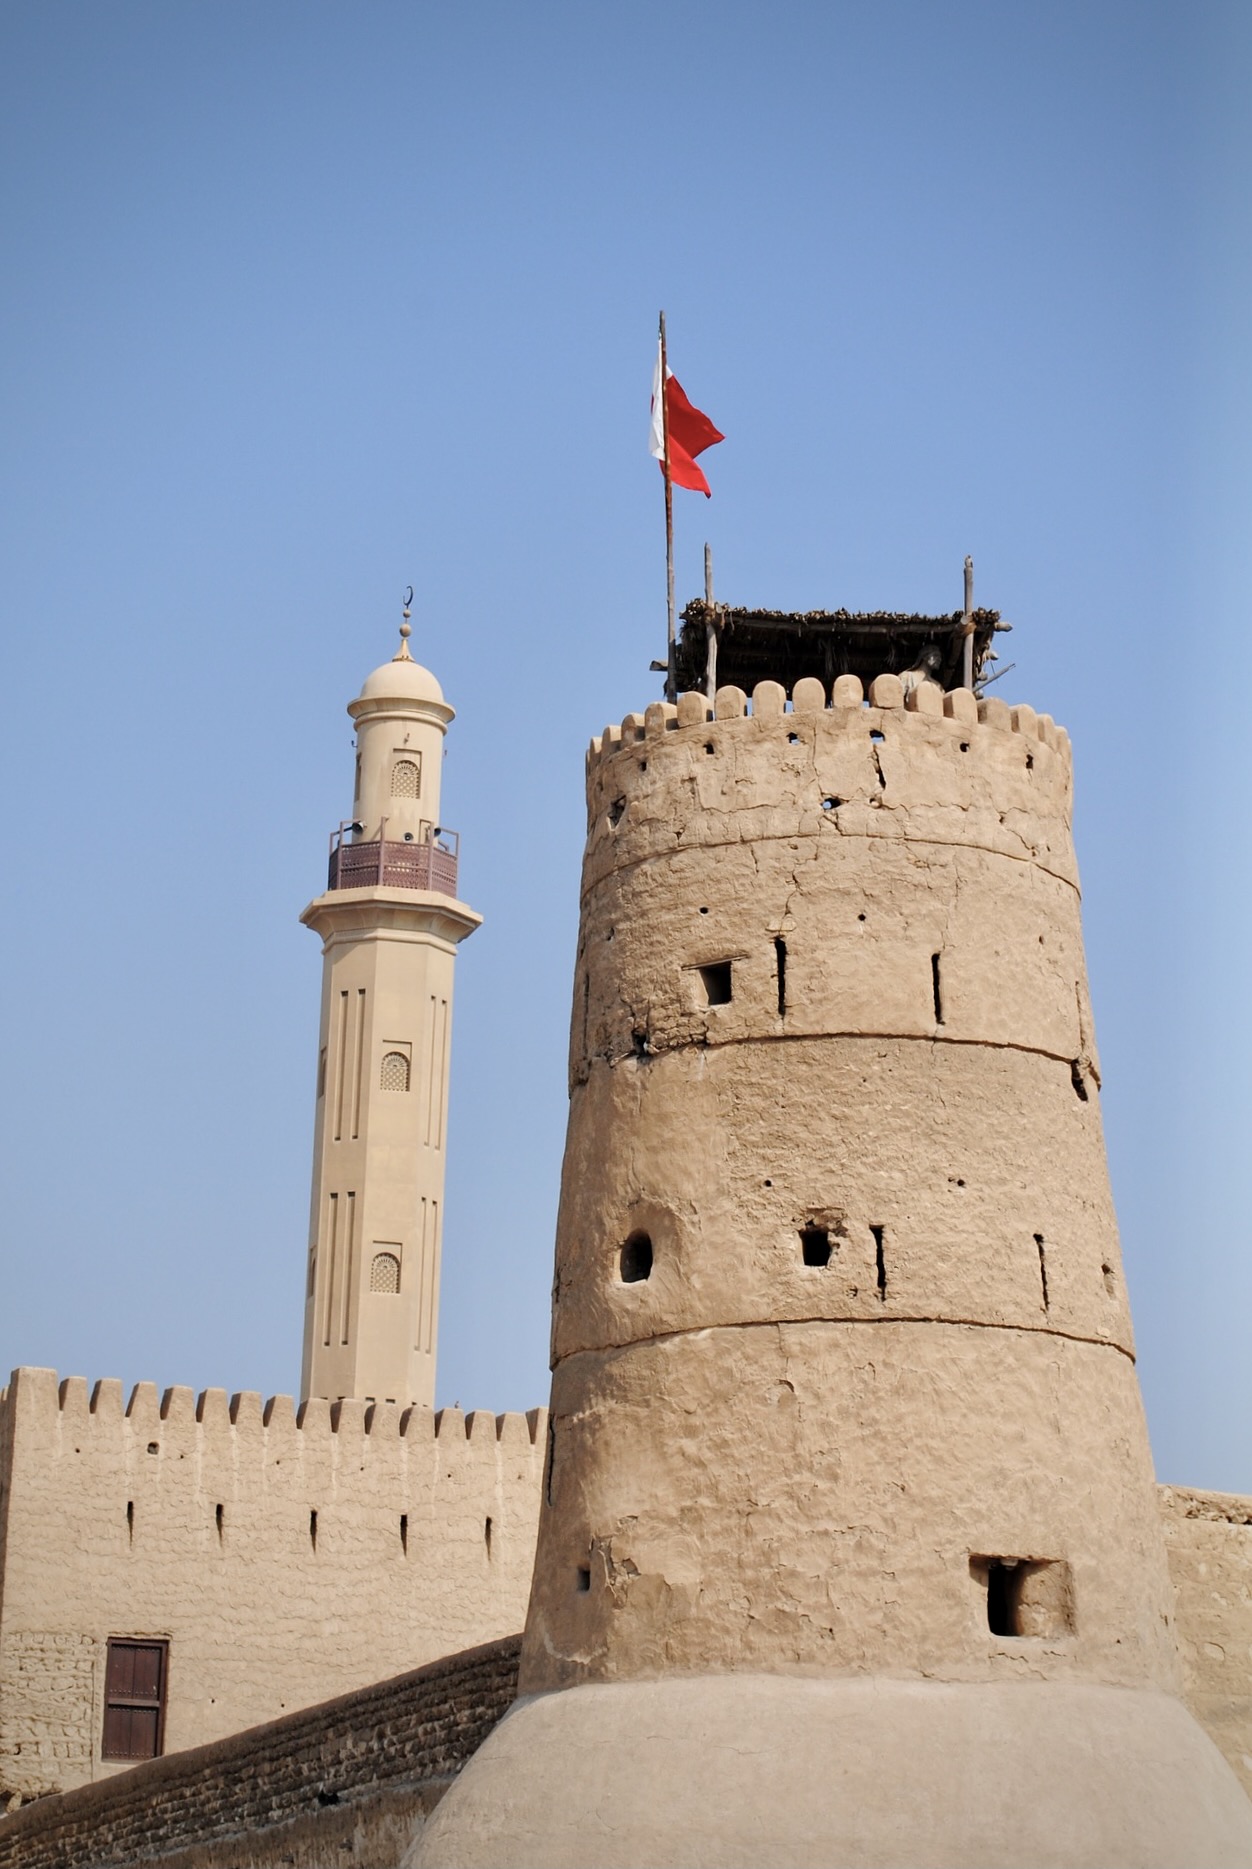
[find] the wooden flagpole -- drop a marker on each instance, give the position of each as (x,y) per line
(967,625)
(671,657)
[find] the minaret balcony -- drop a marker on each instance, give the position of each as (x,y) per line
(425,861)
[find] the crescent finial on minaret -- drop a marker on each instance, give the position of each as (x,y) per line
(406,628)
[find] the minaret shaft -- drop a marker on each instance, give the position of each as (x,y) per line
(376,1211)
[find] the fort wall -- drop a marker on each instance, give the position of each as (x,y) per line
(1208,1538)
(285,1556)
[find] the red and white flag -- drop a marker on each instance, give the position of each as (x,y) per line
(690,431)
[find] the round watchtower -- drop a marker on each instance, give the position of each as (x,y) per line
(849,1547)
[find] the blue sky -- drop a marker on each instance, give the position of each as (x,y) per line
(307,302)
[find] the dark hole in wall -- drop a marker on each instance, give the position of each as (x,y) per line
(876,736)
(815,1245)
(936,989)
(636,1259)
(716,980)
(1110,1280)
(313,1529)
(1077,1080)
(404,1533)
(616,810)
(327,1798)
(219,1519)
(130,1520)
(880,1260)
(1043,1267)
(1026,1596)
(1003,1587)
(487,1537)
(780,957)
(583,1583)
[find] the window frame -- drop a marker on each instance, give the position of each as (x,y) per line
(115,1701)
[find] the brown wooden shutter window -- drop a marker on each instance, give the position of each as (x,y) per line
(134,1699)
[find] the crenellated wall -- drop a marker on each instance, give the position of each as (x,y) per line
(286,1556)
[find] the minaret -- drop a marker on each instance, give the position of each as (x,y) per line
(849,1548)
(390,923)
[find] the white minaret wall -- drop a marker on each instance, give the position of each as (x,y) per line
(376,1213)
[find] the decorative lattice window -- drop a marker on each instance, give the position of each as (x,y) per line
(385,1272)
(395,1071)
(406,779)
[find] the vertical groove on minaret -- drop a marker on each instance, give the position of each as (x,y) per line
(444,1035)
(349,1255)
(430,1073)
(426,1274)
(430,1283)
(332,1264)
(340,1051)
(358,1062)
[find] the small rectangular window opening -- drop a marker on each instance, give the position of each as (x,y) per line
(935,988)
(716,982)
(487,1538)
(130,1521)
(880,1260)
(404,1533)
(1025,1596)
(219,1517)
(584,1579)
(313,1529)
(780,955)
(815,1245)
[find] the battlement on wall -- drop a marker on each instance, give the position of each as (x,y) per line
(768,701)
(284,1553)
(924,767)
(34,1404)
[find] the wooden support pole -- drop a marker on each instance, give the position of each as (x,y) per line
(967,625)
(710,627)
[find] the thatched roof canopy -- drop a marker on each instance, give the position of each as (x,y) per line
(781,645)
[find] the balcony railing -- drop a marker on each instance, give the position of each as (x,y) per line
(428,861)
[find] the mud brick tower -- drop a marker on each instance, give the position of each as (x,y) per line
(849,1551)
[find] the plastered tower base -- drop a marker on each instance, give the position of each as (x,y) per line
(848,1548)
(735,1771)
